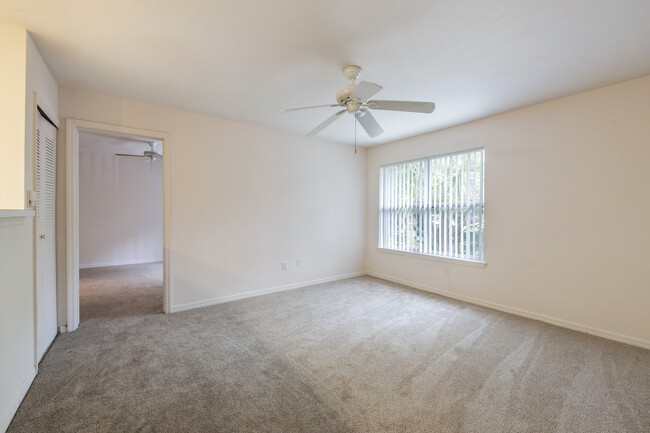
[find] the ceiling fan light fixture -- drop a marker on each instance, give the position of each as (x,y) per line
(353,106)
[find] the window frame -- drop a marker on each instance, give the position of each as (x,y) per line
(444,259)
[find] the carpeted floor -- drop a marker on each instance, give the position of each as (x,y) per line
(359,355)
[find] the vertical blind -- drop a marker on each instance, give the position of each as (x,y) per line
(434,206)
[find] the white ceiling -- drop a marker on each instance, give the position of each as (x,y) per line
(99,142)
(246,60)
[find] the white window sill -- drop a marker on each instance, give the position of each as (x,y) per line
(460,262)
(12,213)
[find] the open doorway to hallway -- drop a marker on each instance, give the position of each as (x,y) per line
(120,225)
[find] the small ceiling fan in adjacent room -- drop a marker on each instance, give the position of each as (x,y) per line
(356,100)
(151,154)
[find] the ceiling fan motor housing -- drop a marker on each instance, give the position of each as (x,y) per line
(343,95)
(352,105)
(155,156)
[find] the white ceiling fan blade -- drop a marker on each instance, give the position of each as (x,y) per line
(365,90)
(128,154)
(326,123)
(369,123)
(410,106)
(305,108)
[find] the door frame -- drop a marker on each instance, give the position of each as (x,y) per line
(73,126)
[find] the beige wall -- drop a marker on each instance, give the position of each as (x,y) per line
(120,210)
(17,348)
(567,193)
(244,198)
(13,65)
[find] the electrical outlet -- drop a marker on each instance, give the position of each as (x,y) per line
(299,263)
(447,270)
(284,266)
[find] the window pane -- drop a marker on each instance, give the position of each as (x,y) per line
(434,206)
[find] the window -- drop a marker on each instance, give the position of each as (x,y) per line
(434,206)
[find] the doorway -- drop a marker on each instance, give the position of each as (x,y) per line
(120,225)
(129,250)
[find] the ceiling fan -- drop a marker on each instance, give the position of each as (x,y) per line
(356,100)
(151,154)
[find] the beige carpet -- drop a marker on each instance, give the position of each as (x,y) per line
(359,355)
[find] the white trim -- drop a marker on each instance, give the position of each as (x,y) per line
(627,339)
(122,263)
(71,222)
(13,213)
(450,260)
(260,292)
(72,207)
(7,417)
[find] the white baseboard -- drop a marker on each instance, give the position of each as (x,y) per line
(634,341)
(126,262)
(230,298)
(9,415)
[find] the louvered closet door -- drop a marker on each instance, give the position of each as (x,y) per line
(45,235)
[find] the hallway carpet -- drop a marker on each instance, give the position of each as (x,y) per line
(358,355)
